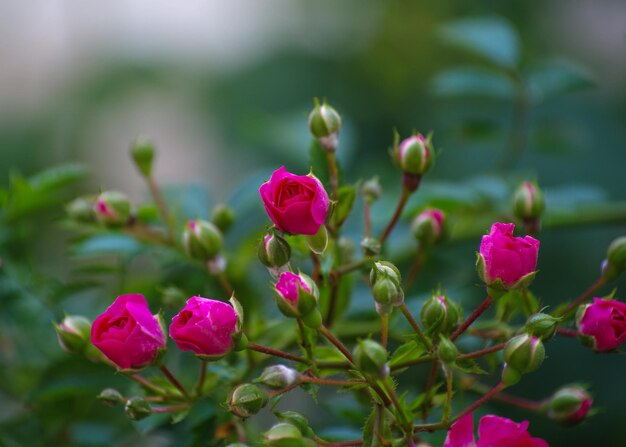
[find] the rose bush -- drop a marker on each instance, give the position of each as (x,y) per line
(128,334)
(297,204)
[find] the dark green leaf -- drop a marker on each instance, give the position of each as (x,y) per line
(470,81)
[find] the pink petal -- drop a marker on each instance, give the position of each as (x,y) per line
(461,434)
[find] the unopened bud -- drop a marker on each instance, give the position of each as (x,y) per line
(371,358)
(510,376)
(223,217)
(569,405)
(285,434)
(372,190)
(325,123)
(615,262)
(142,152)
(274,251)
(528,202)
(524,353)
(439,314)
(428,226)
(278,376)
(110,396)
(74,333)
(202,240)
(371,246)
(137,408)
(247,400)
(414,155)
(81,210)
(447,350)
(112,208)
(542,325)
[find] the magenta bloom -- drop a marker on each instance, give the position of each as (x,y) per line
(288,286)
(127,333)
(605,322)
(205,327)
(506,257)
(493,431)
(297,204)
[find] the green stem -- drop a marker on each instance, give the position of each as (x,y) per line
(324,381)
(333,173)
(447,406)
(405,420)
(482,352)
(347,268)
(168,219)
(384,329)
(335,341)
(147,384)
(305,343)
(171,408)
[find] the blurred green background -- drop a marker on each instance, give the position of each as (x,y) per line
(511,90)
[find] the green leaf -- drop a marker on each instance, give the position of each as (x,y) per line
(471,81)
(557,78)
(469,366)
(492,38)
(345,202)
(57,177)
(407,352)
(319,162)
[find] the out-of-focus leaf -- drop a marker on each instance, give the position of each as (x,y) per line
(471,81)
(490,37)
(107,243)
(57,177)
(557,78)
(345,199)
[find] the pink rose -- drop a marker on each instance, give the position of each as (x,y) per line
(605,322)
(493,431)
(507,258)
(297,204)
(127,333)
(205,327)
(289,285)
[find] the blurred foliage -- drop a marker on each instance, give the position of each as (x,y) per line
(501,109)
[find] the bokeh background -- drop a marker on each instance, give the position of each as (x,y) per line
(511,91)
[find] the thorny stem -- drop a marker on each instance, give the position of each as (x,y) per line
(567,332)
(415,326)
(406,193)
(477,313)
(174,381)
(488,395)
(574,304)
(276,353)
(335,341)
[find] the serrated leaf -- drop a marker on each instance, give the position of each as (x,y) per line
(469,366)
(471,81)
(407,352)
(493,38)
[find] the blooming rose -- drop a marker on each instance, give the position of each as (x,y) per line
(604,321)
(493,431)
(205,327)
(127,333)
(505,257)
(297,204)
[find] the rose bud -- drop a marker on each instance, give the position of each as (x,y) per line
(81,210)
(223,217)
(524,353)
(615,262)
(296,419)
(202,240)
(142,153)
(278,376)
(112,208)
(247,400)
(542,325)
(137,408)
(447,350)
(274,251)
(325,123)
(110,396)
(505,261)
(297,204)
(372,190)
(414,155)
(493,431)
(285,434)
(296,297)
(569,405)
(428,226)
(602,324)
(510,376)
(73,333)
(528,201)
(385,281)
(128,334)
(371,359)
(209,328)
(439,314)
(371,246)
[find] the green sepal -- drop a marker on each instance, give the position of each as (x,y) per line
(318,242)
